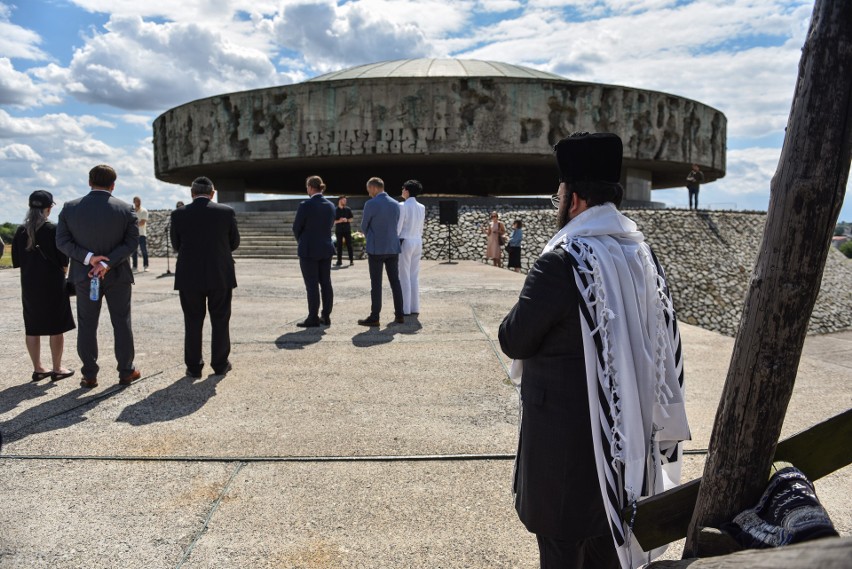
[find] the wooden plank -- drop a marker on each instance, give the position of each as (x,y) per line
(817,451)
(806,194)
(828,553)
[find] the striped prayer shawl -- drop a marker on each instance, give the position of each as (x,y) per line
(634,366)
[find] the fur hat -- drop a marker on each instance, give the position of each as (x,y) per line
(589,157)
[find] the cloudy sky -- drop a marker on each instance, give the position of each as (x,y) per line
(81,81)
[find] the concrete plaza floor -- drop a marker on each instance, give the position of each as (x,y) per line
(330,447)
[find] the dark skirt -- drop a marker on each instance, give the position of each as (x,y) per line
(514,257)
(47,311)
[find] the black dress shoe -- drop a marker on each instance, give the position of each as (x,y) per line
(57,375)
(399,319)
(225,370)
(369,321)
(193,374)
(308,323)
(325,320)
(39,375)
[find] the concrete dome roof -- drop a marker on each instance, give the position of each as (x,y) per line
(433,67)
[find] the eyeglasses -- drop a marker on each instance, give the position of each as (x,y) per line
(555,199)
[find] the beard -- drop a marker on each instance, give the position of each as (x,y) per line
(562,216)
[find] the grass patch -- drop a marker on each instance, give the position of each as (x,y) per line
(6,261)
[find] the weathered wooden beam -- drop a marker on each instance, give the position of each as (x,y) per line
(805,199)
(817,451)
(828,553)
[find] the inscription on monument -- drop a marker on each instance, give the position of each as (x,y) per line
(373,141)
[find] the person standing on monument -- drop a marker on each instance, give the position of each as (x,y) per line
(693,183)
(598,362)
(412,215)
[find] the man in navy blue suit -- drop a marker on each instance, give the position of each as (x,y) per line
(379,221)
(314,220)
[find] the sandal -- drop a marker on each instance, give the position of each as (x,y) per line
(57,375)
(39,375)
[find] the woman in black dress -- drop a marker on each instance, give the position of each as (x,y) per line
(47,310)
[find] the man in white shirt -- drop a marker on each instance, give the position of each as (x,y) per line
(412,214)
(142,216)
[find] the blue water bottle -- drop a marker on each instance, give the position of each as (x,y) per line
(94,288)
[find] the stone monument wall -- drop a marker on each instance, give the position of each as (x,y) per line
(708,257)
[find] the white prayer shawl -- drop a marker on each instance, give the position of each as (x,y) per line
(634,367)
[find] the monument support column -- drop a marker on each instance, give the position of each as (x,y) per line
(230,190)
(637,185)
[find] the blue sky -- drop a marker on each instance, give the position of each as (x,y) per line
(81,81)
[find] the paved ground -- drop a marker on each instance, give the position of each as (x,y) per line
(337,447)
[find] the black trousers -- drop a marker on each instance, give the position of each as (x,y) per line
(195,305)
(317,275)
(88,313)
(341,236)
(391,265)
(592,553)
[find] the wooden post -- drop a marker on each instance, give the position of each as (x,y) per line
(806,195)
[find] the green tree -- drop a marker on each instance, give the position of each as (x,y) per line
(7,231)
(846,248)
(838,230)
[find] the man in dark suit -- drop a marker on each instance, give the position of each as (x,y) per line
(594,337)
(379,224)
(312,228)
(204,234)
(98,232)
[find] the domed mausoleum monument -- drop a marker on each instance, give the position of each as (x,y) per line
(462,127)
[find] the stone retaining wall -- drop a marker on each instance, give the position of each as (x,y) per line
(708,257)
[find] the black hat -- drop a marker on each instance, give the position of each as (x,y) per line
(589,157)
(41,199)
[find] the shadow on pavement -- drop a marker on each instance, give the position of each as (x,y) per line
(180,399)
(298,340)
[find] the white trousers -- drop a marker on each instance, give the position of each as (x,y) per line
(409,274)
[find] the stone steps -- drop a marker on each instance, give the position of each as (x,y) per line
(269,234)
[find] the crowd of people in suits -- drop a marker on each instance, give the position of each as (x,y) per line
(394,233)
(88,254)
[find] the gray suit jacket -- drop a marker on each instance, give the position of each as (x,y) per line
(101,224)
(378,222)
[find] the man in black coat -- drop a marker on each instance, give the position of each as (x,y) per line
(98,232)
(558,481)
(204,233)
(312,228)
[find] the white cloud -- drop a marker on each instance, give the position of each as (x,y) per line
(139,65)
(20,152)
(16,88)
(135,119)
(18,42)
(355,33)
(498,6)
